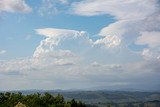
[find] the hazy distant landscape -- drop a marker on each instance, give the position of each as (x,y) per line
(106,98)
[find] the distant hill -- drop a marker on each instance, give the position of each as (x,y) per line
(101,98)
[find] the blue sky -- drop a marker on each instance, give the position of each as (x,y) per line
(71,44)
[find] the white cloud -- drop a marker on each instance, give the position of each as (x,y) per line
(64,1)
(46,54)
(51,7)
(63,62)
(70,56)
(109,41)
(47,8)
(151,53)
(55,65)
(95,64)
(79,76)
(115,33)
(116,28)
(137,21)
(121,9)
(53,32)
(2,52)
(54,36)
(152,39)
(15,65)
(14,6)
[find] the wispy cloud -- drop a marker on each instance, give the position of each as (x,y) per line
(63,1)
(47,8)
(28,37)
(14,6)
(121,9)
(2,52)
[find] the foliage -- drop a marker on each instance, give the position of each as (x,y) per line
(36,100)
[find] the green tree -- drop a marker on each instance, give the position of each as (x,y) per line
(59,99)
(36,100)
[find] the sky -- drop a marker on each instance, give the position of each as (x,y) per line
(80,44)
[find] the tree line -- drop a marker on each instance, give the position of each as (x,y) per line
(36,100)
